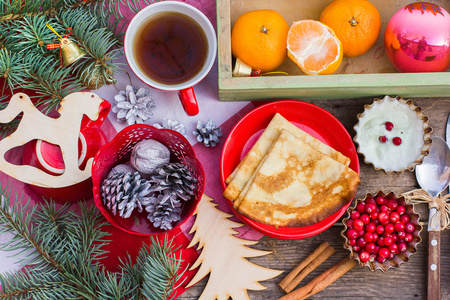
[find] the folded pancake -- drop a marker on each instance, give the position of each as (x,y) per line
(240,176)
(297,185)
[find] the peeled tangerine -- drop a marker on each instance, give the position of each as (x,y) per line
(314,47)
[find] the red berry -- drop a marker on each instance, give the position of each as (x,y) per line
(389,228)
(375,236)
(405,218)
(393,247)
(356,248)
(370,200)
(394,237)
(392,204)
(349,223)
(368,237)
(365,218)
(380,229)
(370,227)
(402,247)
(375,221)
(397,141)
(352,242)
(388,126)
(371,207)
(380,241)
(401,235)
(391,255)
(383,217)
(381,259)
(361,232)
(384,208)
(361,242)
(380,200)
(352,234)
(354,214)
(410,227)
(374,215)
(401,209)
(399,226)
(382,139)
(383,252)
(361,207)
(394,217)
(370,247)
(358,224)
(409,237)
(364,256)
(388,240)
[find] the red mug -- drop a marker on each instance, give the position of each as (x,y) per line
(185,49)
(48,158)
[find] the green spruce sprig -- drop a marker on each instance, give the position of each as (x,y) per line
(64,252)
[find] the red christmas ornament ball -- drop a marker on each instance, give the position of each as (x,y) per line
(417,38)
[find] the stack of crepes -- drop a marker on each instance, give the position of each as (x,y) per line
(290,178)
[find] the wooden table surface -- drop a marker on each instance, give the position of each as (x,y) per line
(409,281)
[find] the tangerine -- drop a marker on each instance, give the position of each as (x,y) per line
(258,38)
(314,47)
(357,24)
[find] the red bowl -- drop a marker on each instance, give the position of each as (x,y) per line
(118,151)
(311,119)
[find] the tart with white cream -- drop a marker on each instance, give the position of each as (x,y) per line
(393,134)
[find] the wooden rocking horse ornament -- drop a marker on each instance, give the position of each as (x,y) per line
(63,131)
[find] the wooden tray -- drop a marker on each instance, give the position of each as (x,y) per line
(368,75)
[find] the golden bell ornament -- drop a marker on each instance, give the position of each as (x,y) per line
(70,52)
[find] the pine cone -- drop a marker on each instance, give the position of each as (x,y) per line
(133,105)
(174,181)
(123,192)
(162,212)
(208,135)
(169,124)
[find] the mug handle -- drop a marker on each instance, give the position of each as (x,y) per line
(188,100)
(103,111)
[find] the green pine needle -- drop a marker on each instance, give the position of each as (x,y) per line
(64,252)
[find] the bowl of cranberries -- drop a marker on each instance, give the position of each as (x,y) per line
(381,231)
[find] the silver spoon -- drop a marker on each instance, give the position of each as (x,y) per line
(433,177)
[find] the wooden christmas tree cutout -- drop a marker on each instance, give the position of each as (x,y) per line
(223,256)
(63,131)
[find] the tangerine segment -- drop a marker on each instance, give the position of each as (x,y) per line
(314,47)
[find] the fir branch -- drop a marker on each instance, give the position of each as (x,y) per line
(12,68)
(32,35)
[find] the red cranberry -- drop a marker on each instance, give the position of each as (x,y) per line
(389,228)
(370,227)
(354,214)
(364,256)
(380,259)
(392,204)
(388,240)
(380,242)
(394,217)
(405,218)
(356,248)
(394,237)
(383,217)
(409,237)
(383,139)
(388,125)
(368,237)
(410,227)
(371,207)
(358,224)
(384,208)
(361,207)
(391,255)
(352,234)
(375,236)
(380,200)
(370,247)
(361,242)
(374,215)
(393,247)
(361,232)
(399,226)
(401,235)
(402,247)
(375,221)
(397,141)
(383,252)
(349,223)
(365,218)
(380,229)
(352,242)
(369,200)
(401,209)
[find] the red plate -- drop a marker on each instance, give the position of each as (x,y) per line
(308,117)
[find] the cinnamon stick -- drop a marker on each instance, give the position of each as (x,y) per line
(322,281)
(317,257)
